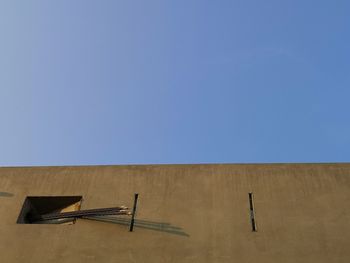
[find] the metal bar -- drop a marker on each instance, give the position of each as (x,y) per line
(133,213)
(81,213)
(252,213)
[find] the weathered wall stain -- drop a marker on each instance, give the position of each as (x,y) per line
(5,194)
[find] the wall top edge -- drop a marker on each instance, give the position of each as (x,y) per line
(179,165)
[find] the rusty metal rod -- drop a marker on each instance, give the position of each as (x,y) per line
(82,213)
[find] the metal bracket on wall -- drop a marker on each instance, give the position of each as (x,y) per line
(132,221)
(252,212)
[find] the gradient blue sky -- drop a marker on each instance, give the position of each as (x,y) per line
(135,82)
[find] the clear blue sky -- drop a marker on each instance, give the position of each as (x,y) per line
(135,82)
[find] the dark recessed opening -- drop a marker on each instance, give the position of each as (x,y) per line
(36,206)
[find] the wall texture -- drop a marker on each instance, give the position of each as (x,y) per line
(186,213)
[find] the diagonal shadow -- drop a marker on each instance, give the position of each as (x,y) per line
(145,224)
(6,194)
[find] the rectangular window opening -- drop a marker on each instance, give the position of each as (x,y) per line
(252,212)
(36,206)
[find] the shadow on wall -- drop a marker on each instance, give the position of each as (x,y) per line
(150,225)
(5,194)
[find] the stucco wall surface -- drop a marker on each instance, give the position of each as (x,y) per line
(186,213)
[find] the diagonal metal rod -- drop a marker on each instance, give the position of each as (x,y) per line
(82,213)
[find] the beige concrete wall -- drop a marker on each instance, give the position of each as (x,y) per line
(187,213)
